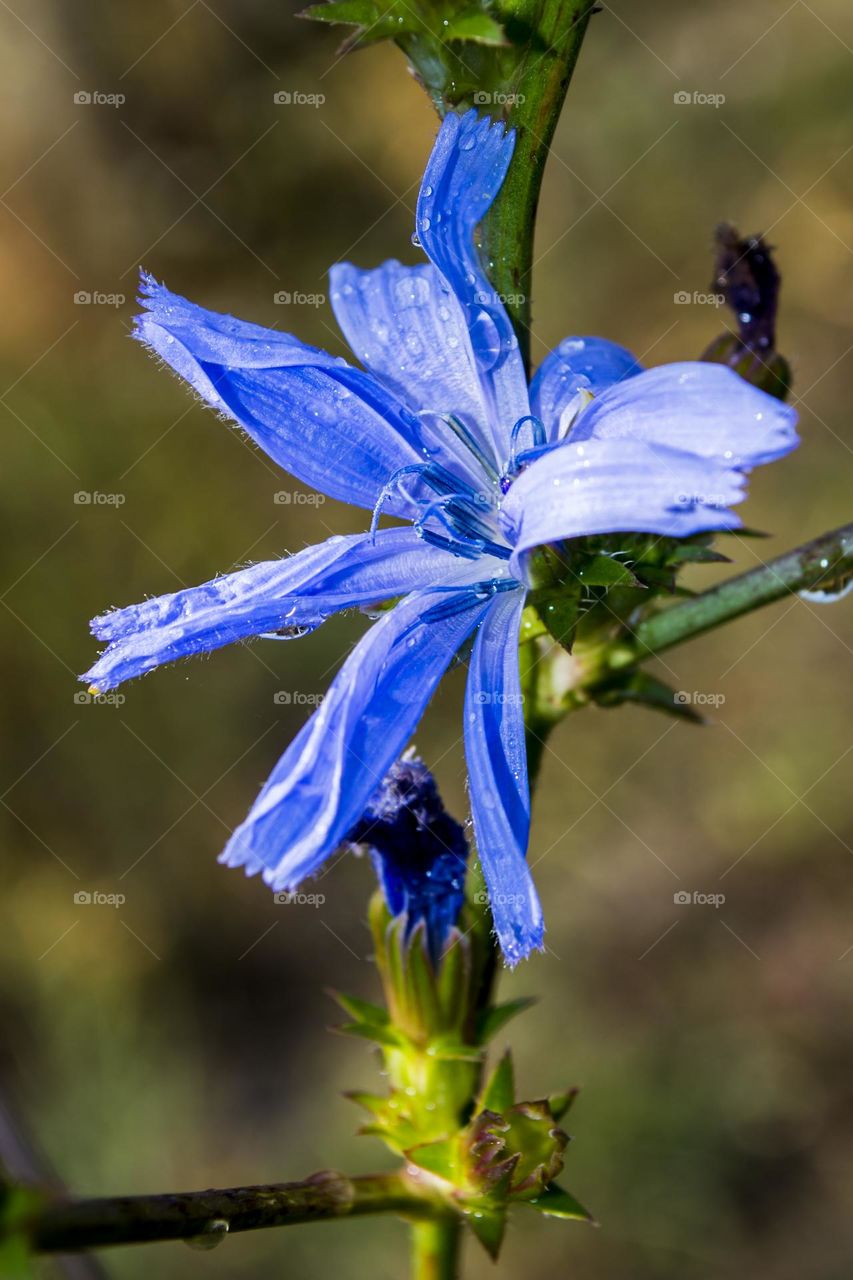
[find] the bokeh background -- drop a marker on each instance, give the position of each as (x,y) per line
(180,1040)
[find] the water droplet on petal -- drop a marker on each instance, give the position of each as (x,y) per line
(485,339)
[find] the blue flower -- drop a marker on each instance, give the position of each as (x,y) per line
(439,429)
(418,850)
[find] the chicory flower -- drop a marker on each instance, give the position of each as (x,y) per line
(440,430)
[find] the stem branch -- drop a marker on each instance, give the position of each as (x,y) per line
(823,564)
(61,1226)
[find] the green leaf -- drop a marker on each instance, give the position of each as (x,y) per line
(604,571)
(361,1010)
(419,976)
(375,1103)
(689,553)
(488,1226)
(560,1103)
(499,1093)
(453,981)
(557,1203)
(493,1020)
(648,691)
(366,1031)
(477,26)
(439,1158)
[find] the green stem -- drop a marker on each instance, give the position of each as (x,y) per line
(435,1250)
(64,1226)
(826,563)
(539,85)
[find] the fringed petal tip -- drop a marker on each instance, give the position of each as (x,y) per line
(514,948)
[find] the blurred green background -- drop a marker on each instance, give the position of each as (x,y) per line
(180,1040)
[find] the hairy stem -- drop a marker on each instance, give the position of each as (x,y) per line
(204,1217)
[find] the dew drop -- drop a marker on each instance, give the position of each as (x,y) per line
(211,1234)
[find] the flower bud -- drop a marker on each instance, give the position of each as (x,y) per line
(749,281)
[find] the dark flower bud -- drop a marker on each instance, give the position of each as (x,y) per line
(749,281)
(418,850)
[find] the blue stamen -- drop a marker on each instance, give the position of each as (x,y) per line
(462,433)
(537,431)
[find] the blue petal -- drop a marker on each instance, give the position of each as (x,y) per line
(497,773)
(577,364)
(704,409)
(464,174)
(299,592)
(335,427)
(617,486)
(407,327)
(326,778)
